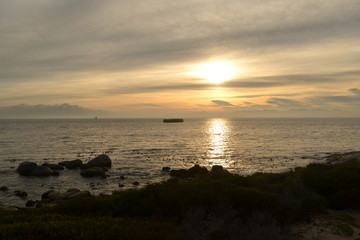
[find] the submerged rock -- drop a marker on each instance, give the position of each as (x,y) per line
(93,172)
(71,164)
(102,160)
(26,168)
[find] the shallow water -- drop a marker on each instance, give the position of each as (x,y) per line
(139,148)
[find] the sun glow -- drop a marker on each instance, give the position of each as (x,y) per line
(216,72)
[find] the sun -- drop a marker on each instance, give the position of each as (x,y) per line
(216,72)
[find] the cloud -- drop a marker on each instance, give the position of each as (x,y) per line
(222,103)
(59,111)
(354,91)
(284,102)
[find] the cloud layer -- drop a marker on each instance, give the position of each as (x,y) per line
(121,55)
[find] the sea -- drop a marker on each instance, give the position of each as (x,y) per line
(140,148)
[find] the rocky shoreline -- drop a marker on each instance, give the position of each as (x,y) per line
(98,167)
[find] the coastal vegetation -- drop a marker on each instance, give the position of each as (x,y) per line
(203,205)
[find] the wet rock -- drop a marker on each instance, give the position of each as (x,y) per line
(73,190)
(55,173)
(165,169)
(53,197)
(180,173)
(122,177)
(86,166)
(121,185)
(53,166)
(41,171)
(30,203)
(20,193)
(197,170)
(350,157)
(218,169)
(4,188)
(71,164)
(135,183)
(102,160)
(93,172)
(26,168)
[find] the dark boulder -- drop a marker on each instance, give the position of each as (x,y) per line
(93,172)
(180,173)
(135,183)
(55,173)
(197,170)
(4,188)
(102,160)
(218,169)
(20,193)
(165,169)
(26,168)
(71,164)
(53,166)
(41,171)
(30,203)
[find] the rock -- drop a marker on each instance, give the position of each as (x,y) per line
(41,171)
(53,166)
(350,157)
(180,173)
(165,169)
(26,168)
(86,166)
(20,193)
(55,173)
(81,194)
(122,177)
(218,169)
(71,164)
(73,190)
(93,172)
(102,160)
(45,195)
(135,183)
(196,170)
(121,185)
(30,203)
(4,188)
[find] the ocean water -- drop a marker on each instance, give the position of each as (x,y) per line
(139,148)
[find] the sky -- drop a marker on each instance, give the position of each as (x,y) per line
(189,58)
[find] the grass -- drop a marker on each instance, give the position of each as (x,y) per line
(216,204)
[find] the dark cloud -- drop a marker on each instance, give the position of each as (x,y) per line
(40,110)
(355,91)
(221,103)
(284,102)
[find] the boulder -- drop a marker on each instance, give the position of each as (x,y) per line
(218,169)
(4,188)
(26,168)
(41,171)
(165,169)
(53,166)
(20,193)
(102,160)
(71,164)
(180,173)
(93,172)
(135,183)
(30,203)
(197,170)
(55,173)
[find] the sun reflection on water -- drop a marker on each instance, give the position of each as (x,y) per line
(218,131)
